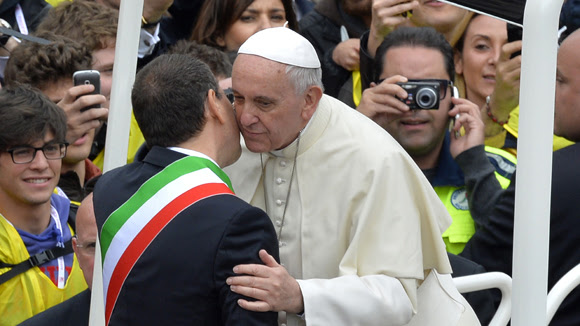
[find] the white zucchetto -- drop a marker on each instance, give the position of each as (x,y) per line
(282,45)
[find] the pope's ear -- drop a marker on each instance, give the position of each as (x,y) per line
(311,98)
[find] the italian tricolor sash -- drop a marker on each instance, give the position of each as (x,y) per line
(130,229)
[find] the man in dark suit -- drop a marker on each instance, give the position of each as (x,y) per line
(171,230)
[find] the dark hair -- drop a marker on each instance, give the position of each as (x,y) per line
(40,65)
(217,60)
(216,16)
(27,116)
(169,98)
(89,22)
(426,37)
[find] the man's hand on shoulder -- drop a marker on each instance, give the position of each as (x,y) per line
(270,284)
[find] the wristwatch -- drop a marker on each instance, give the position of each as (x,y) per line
(4,37)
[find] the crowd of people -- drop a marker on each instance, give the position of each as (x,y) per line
(313,162)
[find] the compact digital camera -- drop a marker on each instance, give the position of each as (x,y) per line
(422,95)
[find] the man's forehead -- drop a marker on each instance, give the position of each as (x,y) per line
(415,62)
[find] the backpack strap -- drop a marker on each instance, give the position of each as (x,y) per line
(35,260)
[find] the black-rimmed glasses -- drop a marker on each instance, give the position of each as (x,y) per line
(229,94)
(26,154)
(444,84)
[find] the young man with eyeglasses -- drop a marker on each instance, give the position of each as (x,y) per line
(32,218)
(464,173)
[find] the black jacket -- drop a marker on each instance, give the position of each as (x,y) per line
(491,245)
(180,277)
(74,311)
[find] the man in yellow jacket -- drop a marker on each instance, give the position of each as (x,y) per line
(37,267)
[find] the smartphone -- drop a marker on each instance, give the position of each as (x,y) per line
(456,95)
(514,33)
(86,77)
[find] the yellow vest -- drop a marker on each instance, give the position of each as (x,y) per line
(31,292)
(512,128)
(455,200)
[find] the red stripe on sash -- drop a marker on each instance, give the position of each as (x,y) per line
(148,234)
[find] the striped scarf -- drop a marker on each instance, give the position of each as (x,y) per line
(130,229)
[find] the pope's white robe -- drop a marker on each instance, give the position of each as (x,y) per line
(361,220)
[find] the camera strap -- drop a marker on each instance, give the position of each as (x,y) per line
(19,35)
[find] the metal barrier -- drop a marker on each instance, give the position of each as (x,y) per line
(560,290)
(483,281)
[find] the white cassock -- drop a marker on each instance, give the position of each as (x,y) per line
(362,227)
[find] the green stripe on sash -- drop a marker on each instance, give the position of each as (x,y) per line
(147,190)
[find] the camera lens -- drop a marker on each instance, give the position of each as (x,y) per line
(426,98)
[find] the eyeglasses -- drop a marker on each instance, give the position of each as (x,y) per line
(443,84)
(229,94)
(26,154)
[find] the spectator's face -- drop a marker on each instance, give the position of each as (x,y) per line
(86,237)
(29,184)
(269,113)
(420,132)
(103,61)
(441,16)
(81,148)
(477,62)
(567,106)
(259,15)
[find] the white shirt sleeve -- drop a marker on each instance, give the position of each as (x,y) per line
(147,42)
(356,300)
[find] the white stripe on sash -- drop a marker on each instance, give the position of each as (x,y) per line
(146,212)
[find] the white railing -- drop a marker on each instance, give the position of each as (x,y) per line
(560,290)
(483,281)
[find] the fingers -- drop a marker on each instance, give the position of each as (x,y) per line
(267,259)
(466,115)
(509,48)
(346,54)
(383,100)
(259,306)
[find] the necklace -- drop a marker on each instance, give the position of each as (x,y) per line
(289,186)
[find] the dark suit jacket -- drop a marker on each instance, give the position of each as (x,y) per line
(180,278)
(491,246)
(74,311)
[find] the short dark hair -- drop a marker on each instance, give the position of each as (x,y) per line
(217,60)
(169,98)
(426,37)
(28,115)
(41,65)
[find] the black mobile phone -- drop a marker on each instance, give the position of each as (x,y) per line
(514,33)
(85,77)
